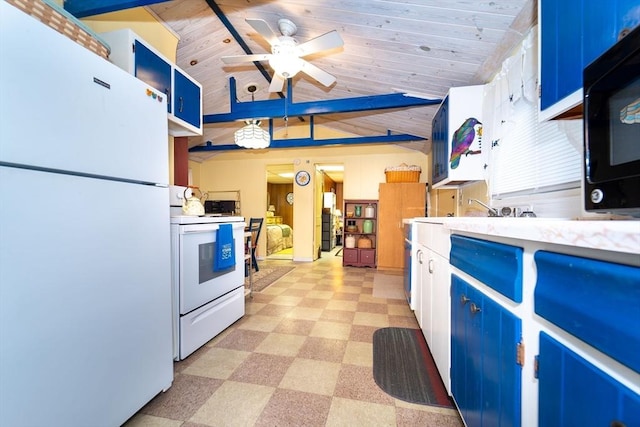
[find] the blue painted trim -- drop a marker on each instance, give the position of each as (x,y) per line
(312,142)
(495,264)
(84,8)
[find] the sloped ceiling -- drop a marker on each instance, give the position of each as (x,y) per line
(418,46)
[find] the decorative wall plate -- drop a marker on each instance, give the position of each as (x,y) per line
(290,198)
(303,178)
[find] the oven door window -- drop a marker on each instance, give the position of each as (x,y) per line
(206,263)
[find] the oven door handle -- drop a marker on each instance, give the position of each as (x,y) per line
(198,228)
(208,227)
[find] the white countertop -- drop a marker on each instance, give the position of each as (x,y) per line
(618,236)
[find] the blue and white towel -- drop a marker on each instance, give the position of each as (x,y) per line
(225,249)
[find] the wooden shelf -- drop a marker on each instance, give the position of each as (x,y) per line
(359,257)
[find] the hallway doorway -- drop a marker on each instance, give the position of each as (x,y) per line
(279,211)
(331,210)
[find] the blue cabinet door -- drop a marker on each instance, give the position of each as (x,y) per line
(485,378)
(574,33)
(153,70)
(440,143)
(187,99)
(501,375)
(465,352)
(475,357)
(458,341)
(573,392)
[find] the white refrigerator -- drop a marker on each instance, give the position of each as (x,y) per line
(85,297)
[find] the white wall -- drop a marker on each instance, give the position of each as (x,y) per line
(246,171)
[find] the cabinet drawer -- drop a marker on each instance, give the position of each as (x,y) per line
(597,301)
(368,256)
(435,237)
(497,265)
(441,244)
(569,385)
(350,255)
(423,233)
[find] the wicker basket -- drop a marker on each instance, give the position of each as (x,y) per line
(402,176)
(62,22)
(365,243)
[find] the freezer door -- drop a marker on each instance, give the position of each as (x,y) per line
(85,299)
(66,108)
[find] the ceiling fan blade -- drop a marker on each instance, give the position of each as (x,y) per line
(263,29)
(316,73)
(246,58)
(277,83)
(330,40)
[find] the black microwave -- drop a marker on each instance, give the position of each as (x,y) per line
(612,129)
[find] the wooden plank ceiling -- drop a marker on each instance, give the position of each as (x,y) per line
(416,46)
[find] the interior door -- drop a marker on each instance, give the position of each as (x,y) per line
(390,230)
(318,203)
(280,195)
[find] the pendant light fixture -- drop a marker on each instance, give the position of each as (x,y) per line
(252,135)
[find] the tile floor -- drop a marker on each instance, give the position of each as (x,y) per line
(301,356)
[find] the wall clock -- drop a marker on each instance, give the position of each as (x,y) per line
(290,198)
(303,178)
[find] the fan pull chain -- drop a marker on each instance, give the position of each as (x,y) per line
(286,119)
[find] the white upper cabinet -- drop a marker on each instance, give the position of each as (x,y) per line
(457,142)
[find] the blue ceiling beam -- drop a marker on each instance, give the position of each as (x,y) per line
(279,108)
(313,142)
(84,8)
(238,38)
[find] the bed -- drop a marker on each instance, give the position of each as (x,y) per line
(279,237)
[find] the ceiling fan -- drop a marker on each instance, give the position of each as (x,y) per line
(286,54)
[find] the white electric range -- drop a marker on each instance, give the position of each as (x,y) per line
(205,301)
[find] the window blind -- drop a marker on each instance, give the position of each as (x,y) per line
(527,156)
(534,157)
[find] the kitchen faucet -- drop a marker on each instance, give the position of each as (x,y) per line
(491,211)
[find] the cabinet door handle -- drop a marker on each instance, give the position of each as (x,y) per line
(431,265)
(474,308)
(181,103)
(464,299)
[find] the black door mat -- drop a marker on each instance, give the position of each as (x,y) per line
(403,367)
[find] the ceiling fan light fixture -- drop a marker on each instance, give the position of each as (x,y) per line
(252,136)
(286,66)
(286,55)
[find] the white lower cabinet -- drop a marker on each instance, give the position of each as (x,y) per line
(441,314)
(432,307)
(423,289)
